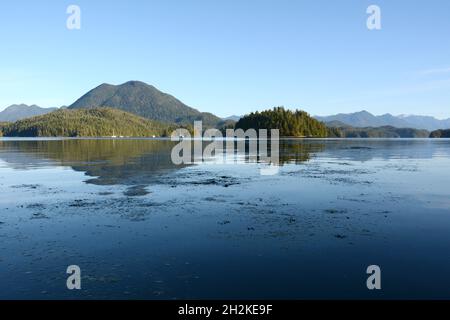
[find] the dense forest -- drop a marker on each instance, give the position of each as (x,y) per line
(101,122)
(440,134)
(290,123)
(300,124)
(136,109)
(145,101)
(379,132)
(3,125)
(107,122)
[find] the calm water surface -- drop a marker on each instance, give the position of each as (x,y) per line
(142,228)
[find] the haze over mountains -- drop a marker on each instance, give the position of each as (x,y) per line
(22,111)
(364,119)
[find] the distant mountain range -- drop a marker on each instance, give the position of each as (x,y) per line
(144,100)
(22,111)
(232,118)
(365,119)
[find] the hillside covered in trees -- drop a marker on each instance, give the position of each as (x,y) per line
(97,122)
(379,132)
(440,134)
(290,123)
(3,125)
(145,101)
(107,122)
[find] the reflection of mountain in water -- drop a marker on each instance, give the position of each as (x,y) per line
(140,161)
(130,161)
(110,161)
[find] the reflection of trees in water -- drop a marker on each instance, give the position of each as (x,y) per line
(111,161)
(128,161)
(293,151)
(290,151)
(138,161)
(76,151)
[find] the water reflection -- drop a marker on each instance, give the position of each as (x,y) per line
(133,161)
(109,161)
(339,203)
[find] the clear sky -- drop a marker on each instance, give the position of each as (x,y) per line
(233,56)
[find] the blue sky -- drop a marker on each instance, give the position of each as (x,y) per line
(233,57)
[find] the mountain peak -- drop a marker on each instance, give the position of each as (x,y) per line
(21,106)
(145,100)
(135,83)
(22,111)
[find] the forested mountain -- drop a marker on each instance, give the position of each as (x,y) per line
(378,132)
(3,125)
(97,122)
(440,134)
(138,109)
(146,101)
(22,111)
(290,123)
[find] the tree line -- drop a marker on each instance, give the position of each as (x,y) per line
(296,123)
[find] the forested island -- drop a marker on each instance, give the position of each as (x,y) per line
(300,124)
(109,122)
(440,134)
(290,123)
(136,109)
(97,122)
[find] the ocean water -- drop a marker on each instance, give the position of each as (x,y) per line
(140,227)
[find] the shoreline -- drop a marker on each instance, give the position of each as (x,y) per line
(204,139)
